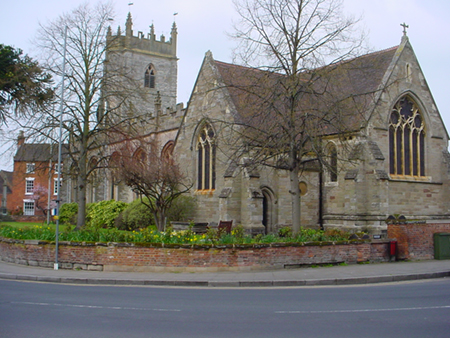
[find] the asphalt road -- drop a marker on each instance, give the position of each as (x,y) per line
(415,309)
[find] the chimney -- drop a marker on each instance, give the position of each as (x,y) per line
(20,138)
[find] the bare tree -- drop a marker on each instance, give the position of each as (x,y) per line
(293,95)
(97,93)
(150,174)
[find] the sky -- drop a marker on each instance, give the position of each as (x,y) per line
(203,25)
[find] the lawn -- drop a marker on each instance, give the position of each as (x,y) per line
(22,225)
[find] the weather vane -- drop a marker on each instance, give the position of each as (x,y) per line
(404,25)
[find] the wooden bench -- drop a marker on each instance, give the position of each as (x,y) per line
(225,226)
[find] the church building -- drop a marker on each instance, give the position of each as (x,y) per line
(391,159)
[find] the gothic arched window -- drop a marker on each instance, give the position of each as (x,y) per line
(406,139)
(206,159)
(149,77)
(140,156)
(167,152)
(333,158)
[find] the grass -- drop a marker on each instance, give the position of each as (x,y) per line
(22,225)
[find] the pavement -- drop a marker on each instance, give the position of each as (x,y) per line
(335,275)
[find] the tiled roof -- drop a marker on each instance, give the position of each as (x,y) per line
(345,90)
(37,152)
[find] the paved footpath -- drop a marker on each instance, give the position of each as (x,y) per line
(337,275)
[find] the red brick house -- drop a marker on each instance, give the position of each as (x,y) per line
(34,179)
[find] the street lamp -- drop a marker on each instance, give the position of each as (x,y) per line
(58,182)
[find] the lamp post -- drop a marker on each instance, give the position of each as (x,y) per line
(58,182)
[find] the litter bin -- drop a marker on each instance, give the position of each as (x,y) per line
(441,245)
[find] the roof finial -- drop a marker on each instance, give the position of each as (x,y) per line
(405,26)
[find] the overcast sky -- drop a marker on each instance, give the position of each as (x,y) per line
(203,24)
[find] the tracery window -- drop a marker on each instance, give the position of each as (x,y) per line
(150,77)
(206,159)
(406,139)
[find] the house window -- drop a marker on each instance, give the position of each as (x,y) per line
(206,159)
(28,207)
(55,186)
(149,77)
(406,139)
(29,186)
(56,168)
(30,168)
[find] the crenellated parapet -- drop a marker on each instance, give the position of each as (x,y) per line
(146,43)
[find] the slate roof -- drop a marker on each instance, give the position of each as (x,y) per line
(42,152)
(350,84)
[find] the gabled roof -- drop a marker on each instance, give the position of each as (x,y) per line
(40,152)
(347,87)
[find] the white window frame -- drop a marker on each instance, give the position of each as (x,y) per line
(27,210)
(29,191)
(30,168)
(55,186)
(56,167)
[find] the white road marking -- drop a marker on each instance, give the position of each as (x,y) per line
(97,307)
(370,310)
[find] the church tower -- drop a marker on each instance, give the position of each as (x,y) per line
(149,65)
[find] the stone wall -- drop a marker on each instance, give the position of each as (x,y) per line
(176,258)
(415,240)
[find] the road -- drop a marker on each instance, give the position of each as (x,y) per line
(418,309)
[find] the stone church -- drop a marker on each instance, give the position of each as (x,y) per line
(392,158)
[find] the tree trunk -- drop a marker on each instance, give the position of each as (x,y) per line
(81,217)
(295,194)
(160,220)
(81,186)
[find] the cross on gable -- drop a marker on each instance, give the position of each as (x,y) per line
(404,25)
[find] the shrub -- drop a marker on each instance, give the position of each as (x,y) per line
(102,214)
(135,216)
(181,209)
(285,232)
(68,213)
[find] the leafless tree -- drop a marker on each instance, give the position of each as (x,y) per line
(295,93)
(97,94)
(150,174)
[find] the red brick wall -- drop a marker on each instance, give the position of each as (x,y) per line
(415,240)
(41,178)
(127,257)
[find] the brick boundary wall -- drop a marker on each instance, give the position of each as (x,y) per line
(415,240)
(153,258)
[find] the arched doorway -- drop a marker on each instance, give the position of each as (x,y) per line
(268,206)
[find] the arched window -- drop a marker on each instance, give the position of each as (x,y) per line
(406,139)
(114,160)
(149,77)
(139,157)
(206,159)
(333,158)
(167,152)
